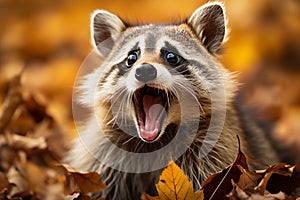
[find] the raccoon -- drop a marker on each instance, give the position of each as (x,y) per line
(160,92)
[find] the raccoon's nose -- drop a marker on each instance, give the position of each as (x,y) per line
(145,72)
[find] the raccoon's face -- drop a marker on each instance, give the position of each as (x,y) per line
(156,76)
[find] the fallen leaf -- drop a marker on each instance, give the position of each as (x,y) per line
(19,182)
(237,193)
(280,177)
(278,196)
(79,196)
(84,182)
(174,185)
(36,109)
(4,184)
(53,191)
(84,197)
(248,179)
(219,185)
(11,103)
(26,143)
(7,155)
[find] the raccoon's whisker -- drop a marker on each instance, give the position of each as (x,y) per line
(121,101)
(117,113)
(131,138)
(115,99)
(167,95)
(174,90)
(213,162)
(190,91)
(136,145)
(139,146)
(194,174)
(122,104)
(196,178)
(128,102)
(107,113)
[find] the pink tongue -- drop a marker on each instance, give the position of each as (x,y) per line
(153,109)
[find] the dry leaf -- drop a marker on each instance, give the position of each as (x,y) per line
(4,184)
(174,185)
(280,177)
(25,38)
(219,185)
(278,196)
(248,179)
(12,101)
(237,193)
(7,155)
(79,196)
(26,143)
(84,182)
(28,177)
(19,182)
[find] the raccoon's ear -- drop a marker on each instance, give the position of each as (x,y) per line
(105,29)
(209,24)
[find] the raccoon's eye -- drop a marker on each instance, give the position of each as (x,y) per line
(172,58)
(131,59)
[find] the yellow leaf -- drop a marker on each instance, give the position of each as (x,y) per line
(174,185)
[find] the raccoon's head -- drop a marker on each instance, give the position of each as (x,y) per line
(157,76)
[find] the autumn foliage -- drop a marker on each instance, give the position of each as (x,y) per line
(42,45)
(31,164)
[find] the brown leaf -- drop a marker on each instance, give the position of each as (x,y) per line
(280,177)
(53,191)
(248,179)
(27,177)
(12,101)
(174,185)
(219,185)
(84,197)
(26,143)
(79,196)
(84,182)
(237,193)
(4,184)
(7,155)
(36,109)
(19,182)
(278,196)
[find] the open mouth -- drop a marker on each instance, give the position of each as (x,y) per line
(151,105)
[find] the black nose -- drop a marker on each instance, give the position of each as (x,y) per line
(145,72)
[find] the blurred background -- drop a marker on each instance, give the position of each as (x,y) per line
(48,40)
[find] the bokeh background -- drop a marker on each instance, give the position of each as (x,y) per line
(47,40)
